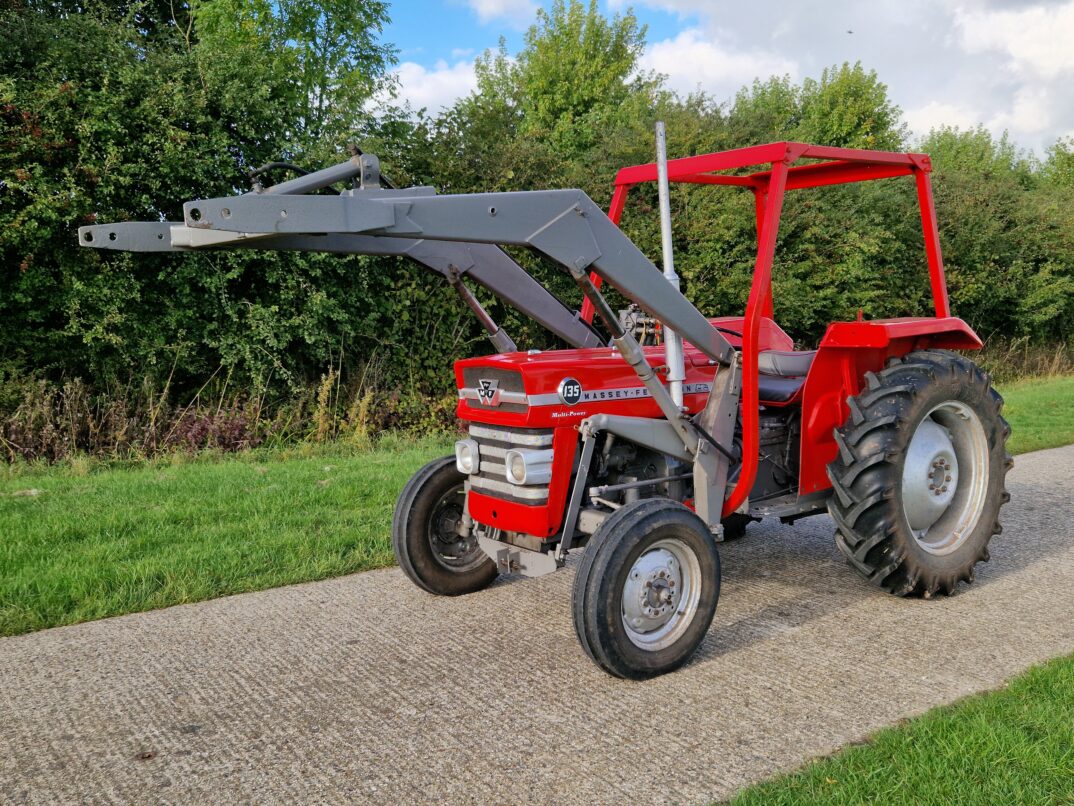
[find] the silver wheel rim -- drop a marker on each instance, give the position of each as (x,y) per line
(661,594)
(452,550)
(945,477)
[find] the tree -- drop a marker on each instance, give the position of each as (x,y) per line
(847,107)
(769,110)
(117,112)
(103,123)
(574,72)
(1059,164)
(152,19)
(1008,239)
(850,107)
(325,54)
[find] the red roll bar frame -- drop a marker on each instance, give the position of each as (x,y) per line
(840,166)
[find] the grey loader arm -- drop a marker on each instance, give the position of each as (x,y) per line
(565,225)
(486,264)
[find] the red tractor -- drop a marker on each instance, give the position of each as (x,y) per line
(651,442)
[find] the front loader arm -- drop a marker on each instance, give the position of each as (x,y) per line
(486,264)
(565,225)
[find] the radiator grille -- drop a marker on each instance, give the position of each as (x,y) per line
(510,395)
(494,442)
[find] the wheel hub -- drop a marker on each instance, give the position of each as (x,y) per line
(929,476)
(944,476)
(652,591)
(661,594)
(449,546)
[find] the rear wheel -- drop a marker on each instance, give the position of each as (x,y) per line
(919,479)
(646,590)
(425,533)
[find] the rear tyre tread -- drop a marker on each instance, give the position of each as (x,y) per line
(870,528)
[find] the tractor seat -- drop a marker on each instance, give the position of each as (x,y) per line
(785,363)
(782,373)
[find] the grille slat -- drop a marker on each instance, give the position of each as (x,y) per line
(515,437)
(494,443)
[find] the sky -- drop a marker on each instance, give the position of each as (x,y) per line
(1005,64)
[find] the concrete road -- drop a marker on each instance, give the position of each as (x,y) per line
(364,689)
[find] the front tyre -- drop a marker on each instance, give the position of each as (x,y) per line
(919,479)
(646,589)
(425,534)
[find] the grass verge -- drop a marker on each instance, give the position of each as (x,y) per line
(84,540)
(1015,745)
(81,542)
(1041,413)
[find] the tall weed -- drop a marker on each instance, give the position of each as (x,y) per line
(53,422)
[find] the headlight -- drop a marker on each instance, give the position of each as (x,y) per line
(467,456)
(529,467)
(516,467)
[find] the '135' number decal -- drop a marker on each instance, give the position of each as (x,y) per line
(570,391)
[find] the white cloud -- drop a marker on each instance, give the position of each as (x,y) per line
(1031,113)
(519,12)
(1037,40)
(1004,64)
(461,53)
(692,60)
(935,114)
(681,7)
(437,86)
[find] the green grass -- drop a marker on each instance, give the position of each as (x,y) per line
(1013,746)
(1041,413)
(83,542)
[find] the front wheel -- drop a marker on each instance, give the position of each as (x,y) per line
(425,533)
(646,590)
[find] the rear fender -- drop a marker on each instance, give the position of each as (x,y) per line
(847,351)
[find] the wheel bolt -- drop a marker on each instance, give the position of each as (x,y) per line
(948,478)
(943,489)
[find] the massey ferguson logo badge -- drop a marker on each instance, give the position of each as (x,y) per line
(488,392)
(570,391)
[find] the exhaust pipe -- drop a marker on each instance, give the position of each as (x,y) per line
(672,340)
